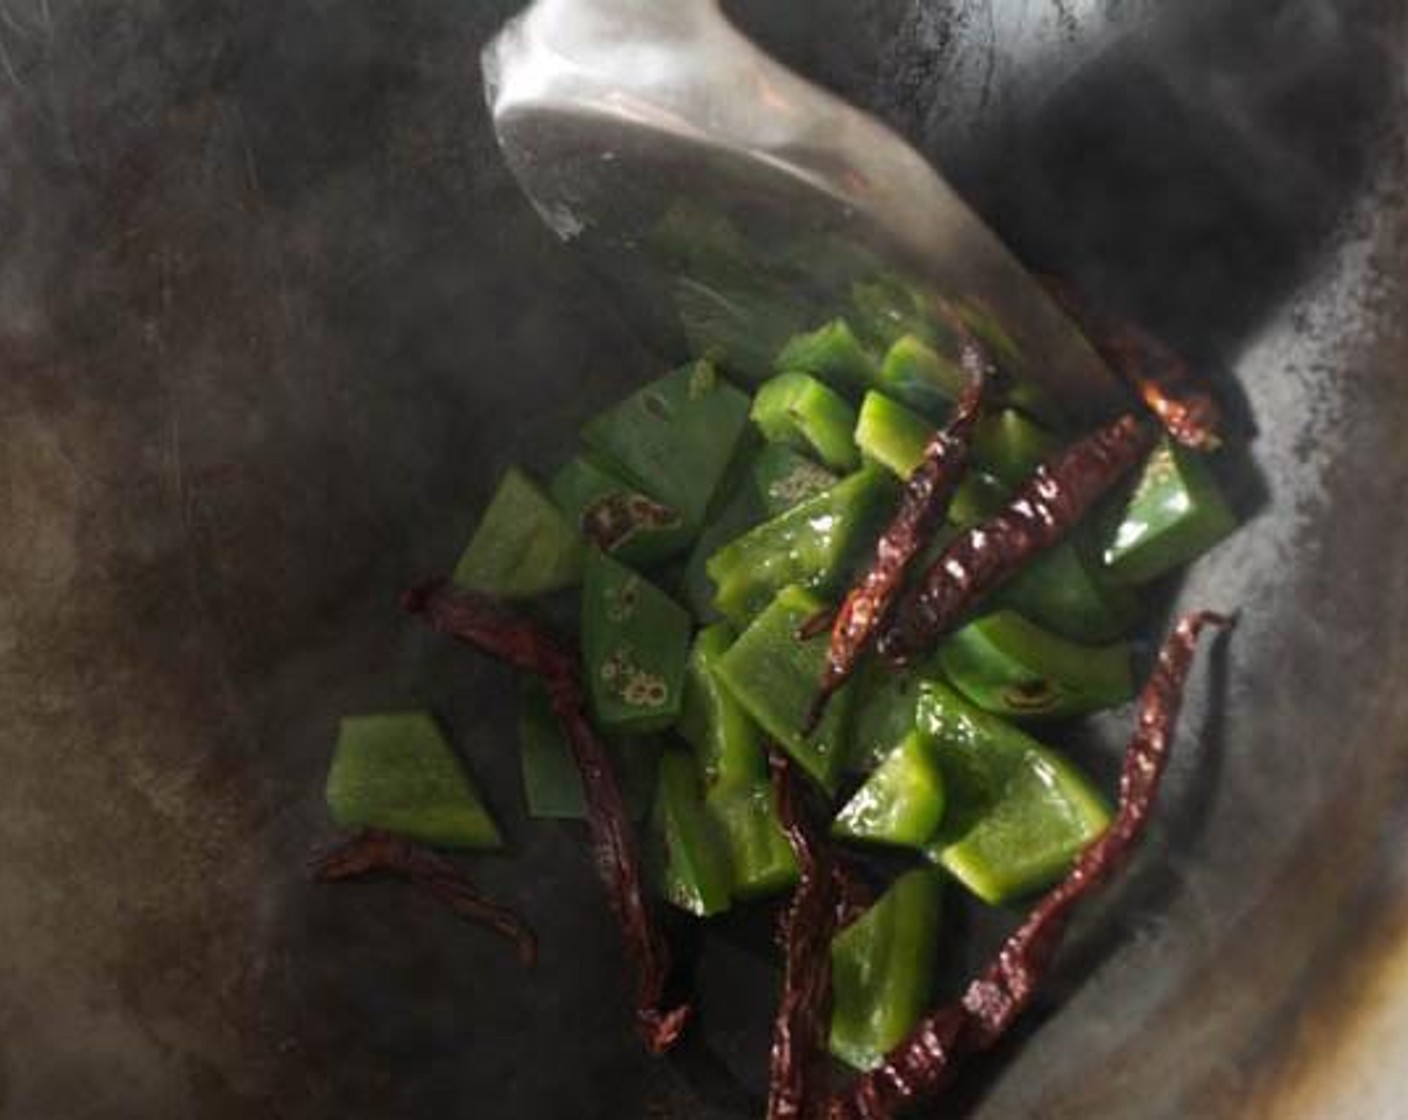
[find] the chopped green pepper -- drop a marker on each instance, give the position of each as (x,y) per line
(922,378)
(739,322)
(552,785)
(725,740)
(1017,813)
(760,858)
(635,640)
(1009,446)
(696,876)
(1061,592)
(523,546)
(813,544)
(773,676)
(1011,667)
(901,803)
(891,435)
(396,772)
(984,323)
(736,509)
(832,353)
(616,516)
(884,710)
(887,308)
(784,478)
(1006,449)
(674,438)
(978,497)
(1175,514)
(798,410)
(882,970)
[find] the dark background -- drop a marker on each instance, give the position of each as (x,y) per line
(272,314)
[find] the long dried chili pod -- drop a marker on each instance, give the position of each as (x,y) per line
(924,1064)
(925,501)
(371,852)
(1043,511)
(488,627)
(1164,381)
(797,1083)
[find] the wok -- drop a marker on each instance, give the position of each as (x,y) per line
(273,315)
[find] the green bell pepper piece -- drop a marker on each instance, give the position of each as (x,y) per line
(882,970)
(798,410)
(1013,668)
(992,334)
(774,677)
(1175,513)
(616,516)
(1009,446)
(741,511)
(832,353)
(696,875)
(784,478)
(1006,449)
(884,709)
(760,858)
(886,308)
(396,772)
(523,545)
(737,322)
(725,741)
(1059,590)
(674,438)
(917,375)
(813,544)
(891,435)
(901,803)
(635,640)
(978,497)
(552,785)
(1018,813)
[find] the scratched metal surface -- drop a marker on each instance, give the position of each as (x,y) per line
(271,315)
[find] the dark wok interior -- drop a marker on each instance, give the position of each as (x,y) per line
(272,316)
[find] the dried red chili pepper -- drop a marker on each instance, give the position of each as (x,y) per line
(925,1063)
(1152,369)
(1045,508)
(797,1084)
(927,493)
(489,627)
(371,852)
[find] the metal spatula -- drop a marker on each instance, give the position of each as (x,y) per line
(724,193)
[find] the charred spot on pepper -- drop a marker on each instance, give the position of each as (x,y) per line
(611,521)
(1031,696)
